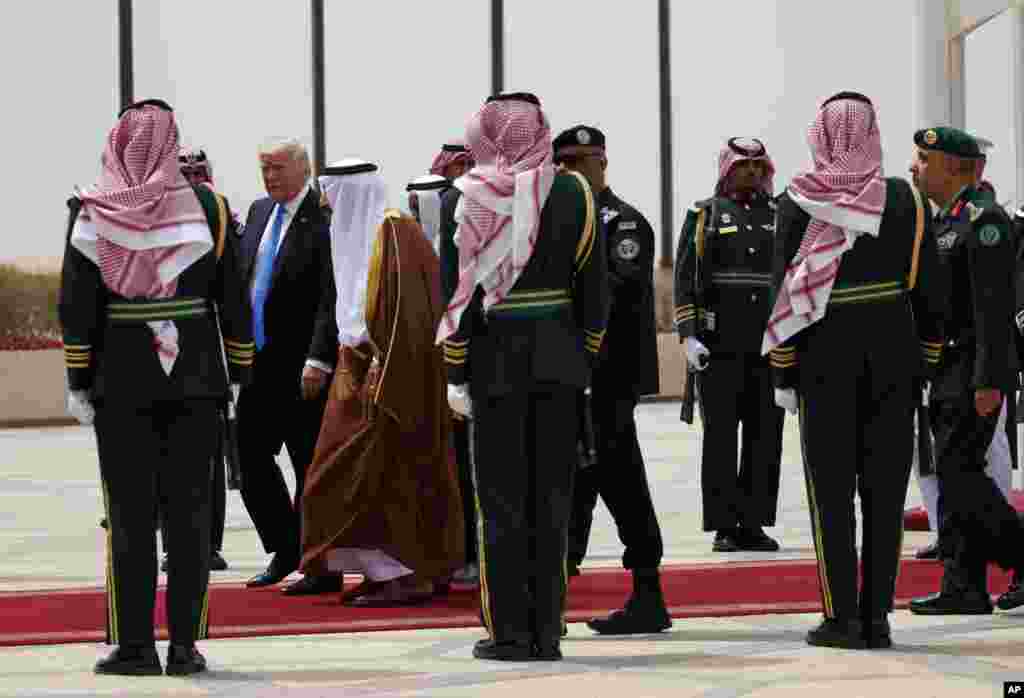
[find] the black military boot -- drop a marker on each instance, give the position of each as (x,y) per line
(183,660)
(963,592)
(644,611)
(847,634)
(504,651)
(130,661)
(877,633)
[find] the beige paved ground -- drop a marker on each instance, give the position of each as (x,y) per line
(49,538)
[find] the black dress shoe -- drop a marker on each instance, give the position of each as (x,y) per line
(278,569)
(547,652)
(725,542)
(1012,597)
(877,633)
(183,660)
(929,552)
(217,562)
(641,615)
(130,661)
(843,634)
(314,584)
(503,651)
(755,539)
(948,603)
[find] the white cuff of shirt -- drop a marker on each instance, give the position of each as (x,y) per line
(320,365)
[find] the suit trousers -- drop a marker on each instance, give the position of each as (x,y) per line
(272,413)
(152,456)
(460,435)
(620,478)
(734,389)
(525,443)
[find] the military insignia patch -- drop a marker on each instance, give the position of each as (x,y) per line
(931,138)
(608,214)
(946,242)
(583,137)
(726,218)
(627,225)
(989,235)
(628,249)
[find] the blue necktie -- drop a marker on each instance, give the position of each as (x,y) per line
(261,284)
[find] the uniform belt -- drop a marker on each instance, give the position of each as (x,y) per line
(151,310)
(866,293)
(741,278)
(532,303)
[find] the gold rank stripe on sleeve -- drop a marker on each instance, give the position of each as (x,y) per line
(77,355)
(455,353)
(783,357)
(866,293)
(240,353)
(932,351)
(592,340)
(685,312)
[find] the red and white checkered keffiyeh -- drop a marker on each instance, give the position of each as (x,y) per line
(845,197)
(141,223)
(729,158)
(502,199)
(448,157)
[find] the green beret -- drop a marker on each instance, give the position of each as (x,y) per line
(948,140)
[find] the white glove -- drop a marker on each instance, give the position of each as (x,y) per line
(458,400)
(786,399)
(236,390)
(696,354)
(80,407)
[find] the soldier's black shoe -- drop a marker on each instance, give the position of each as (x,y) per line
(217,562)
(503,651)
(1012,597)
(183,660)
(930,552)
(547,652)
(953,603)
(832,632)
(755,539)
(279,568)
(130,661)
(641,615)
(877,633)
(725,542)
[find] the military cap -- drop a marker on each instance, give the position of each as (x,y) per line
(951,141)
(577,140)
(193,159)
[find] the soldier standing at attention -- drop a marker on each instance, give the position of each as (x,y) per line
(723,298)
(856,324)
(977,372)
(627,368)
(147,258)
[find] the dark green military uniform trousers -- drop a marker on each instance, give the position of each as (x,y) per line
(977,525)
(856,430)
(525,449)
(737,388)
(171,444)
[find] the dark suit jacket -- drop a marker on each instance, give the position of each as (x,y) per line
(298,314)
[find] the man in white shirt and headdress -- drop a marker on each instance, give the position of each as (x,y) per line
(425,204)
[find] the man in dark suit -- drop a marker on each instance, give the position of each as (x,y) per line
(286,261)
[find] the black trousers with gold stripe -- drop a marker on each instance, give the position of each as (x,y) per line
(856,430)
(525,446)
(148,455)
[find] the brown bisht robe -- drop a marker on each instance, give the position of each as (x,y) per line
(382,475)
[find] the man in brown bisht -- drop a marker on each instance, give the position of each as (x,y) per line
(382,495)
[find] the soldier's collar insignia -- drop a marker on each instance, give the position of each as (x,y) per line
(607,214)
(973,211)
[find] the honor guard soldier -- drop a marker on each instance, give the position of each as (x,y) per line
(723,298)
(530,260)
(856,323)
(627,369)
(149,264)
(977,372)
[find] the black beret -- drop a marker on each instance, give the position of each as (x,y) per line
(572,139)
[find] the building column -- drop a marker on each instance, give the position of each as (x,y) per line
(1017,75)
(932,105)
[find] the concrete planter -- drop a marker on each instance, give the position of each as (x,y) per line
(32,386)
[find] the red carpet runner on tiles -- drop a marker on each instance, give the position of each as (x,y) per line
(696,590)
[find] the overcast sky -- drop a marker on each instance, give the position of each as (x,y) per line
(403,76)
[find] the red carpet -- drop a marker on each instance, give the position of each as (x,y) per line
(699,590)
(916,518)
